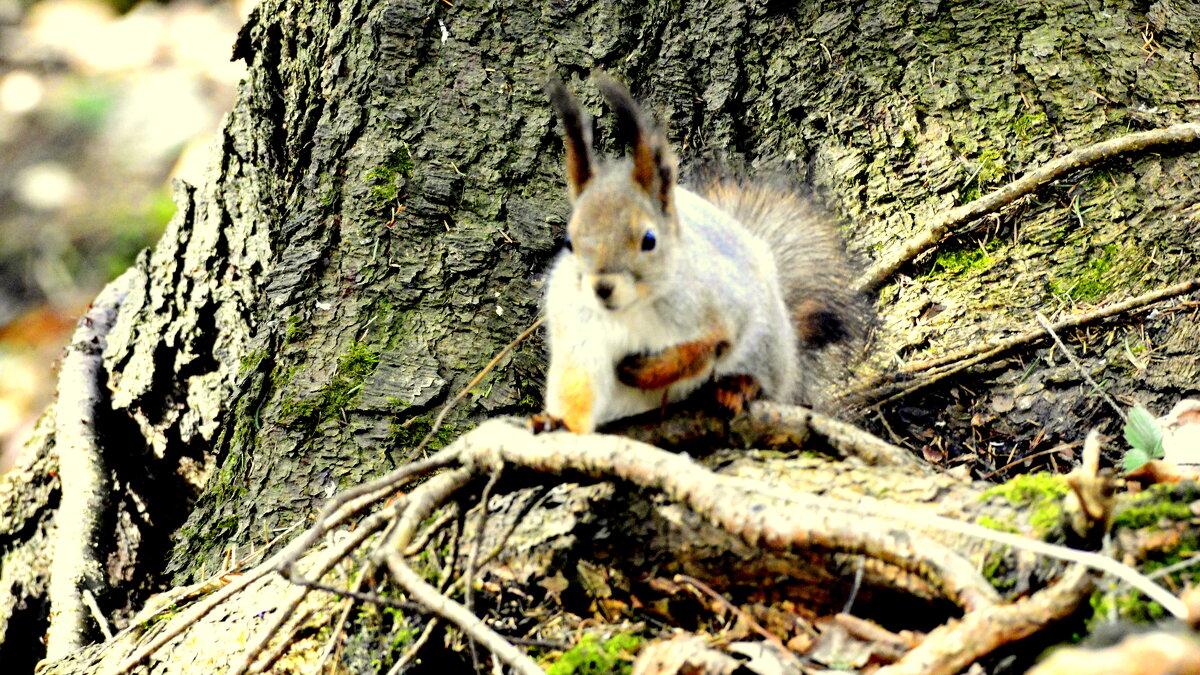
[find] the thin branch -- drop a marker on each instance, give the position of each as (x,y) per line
(410,654)
(737,611)
(338,552)
(1079,366)
(83,476)
(1179,134)
(735,504)
(441,416)
(473,558)
(289,632)
(815,521)
(89,599)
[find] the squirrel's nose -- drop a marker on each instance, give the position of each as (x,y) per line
(604,289)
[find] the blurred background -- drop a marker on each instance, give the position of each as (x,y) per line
(102,104)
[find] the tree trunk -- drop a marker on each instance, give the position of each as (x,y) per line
(389,188)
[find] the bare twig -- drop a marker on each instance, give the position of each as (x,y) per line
(76,566)
(410,654)
(355,500)
(473,558)
(89,599)
(735,504)
(1079,366)
(737,611)
(441,416)
(813,521)
(288,632)
(368,526)
(368,568)
(935,231)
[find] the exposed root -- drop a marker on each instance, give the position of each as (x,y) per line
(952,647)
(762,515)
(882,390)
(1179,134)
(77,568)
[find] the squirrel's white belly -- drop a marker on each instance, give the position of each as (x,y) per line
(633,330)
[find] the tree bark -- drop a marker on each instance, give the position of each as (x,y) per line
(389,187)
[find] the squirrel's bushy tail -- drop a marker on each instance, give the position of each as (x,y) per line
(830,317)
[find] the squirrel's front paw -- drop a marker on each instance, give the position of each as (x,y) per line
(543,422)
(733,392)
(656,371)
(637,370)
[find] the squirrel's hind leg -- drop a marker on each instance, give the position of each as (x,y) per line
(733,392)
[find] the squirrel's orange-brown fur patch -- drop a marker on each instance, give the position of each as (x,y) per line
(673,364)
(576,395)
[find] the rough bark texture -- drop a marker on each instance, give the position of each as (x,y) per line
(389,187)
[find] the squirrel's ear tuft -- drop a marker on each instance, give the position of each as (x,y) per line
(577,135)
(653,161)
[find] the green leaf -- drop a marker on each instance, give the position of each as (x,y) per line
(1143,434)
(1135,458)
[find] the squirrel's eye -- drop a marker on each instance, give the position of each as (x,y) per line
(648,241)
(569,246)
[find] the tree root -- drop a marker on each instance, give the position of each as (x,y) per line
(892,386)
(764,516)
(952,647)
(1179,134)
(76,569)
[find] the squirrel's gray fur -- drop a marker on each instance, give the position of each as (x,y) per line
(753,273)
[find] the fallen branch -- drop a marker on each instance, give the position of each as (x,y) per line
(1179,134)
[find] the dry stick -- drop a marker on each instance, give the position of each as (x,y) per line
(335,636)
(737,611)
(198,611)
(89,599)
(441,417)
(964,359)
(423,540)
(1129,304)
(473,558)
(1178,134)
(425,500)
(341,508)
(82,474)
(284,644)
(1079,366)
(349,503)
(952,647)
(367,570)
(410,654)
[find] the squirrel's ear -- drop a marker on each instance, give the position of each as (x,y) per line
(577,135)
(653,161)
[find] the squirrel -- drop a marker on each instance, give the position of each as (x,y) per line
(660,289)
